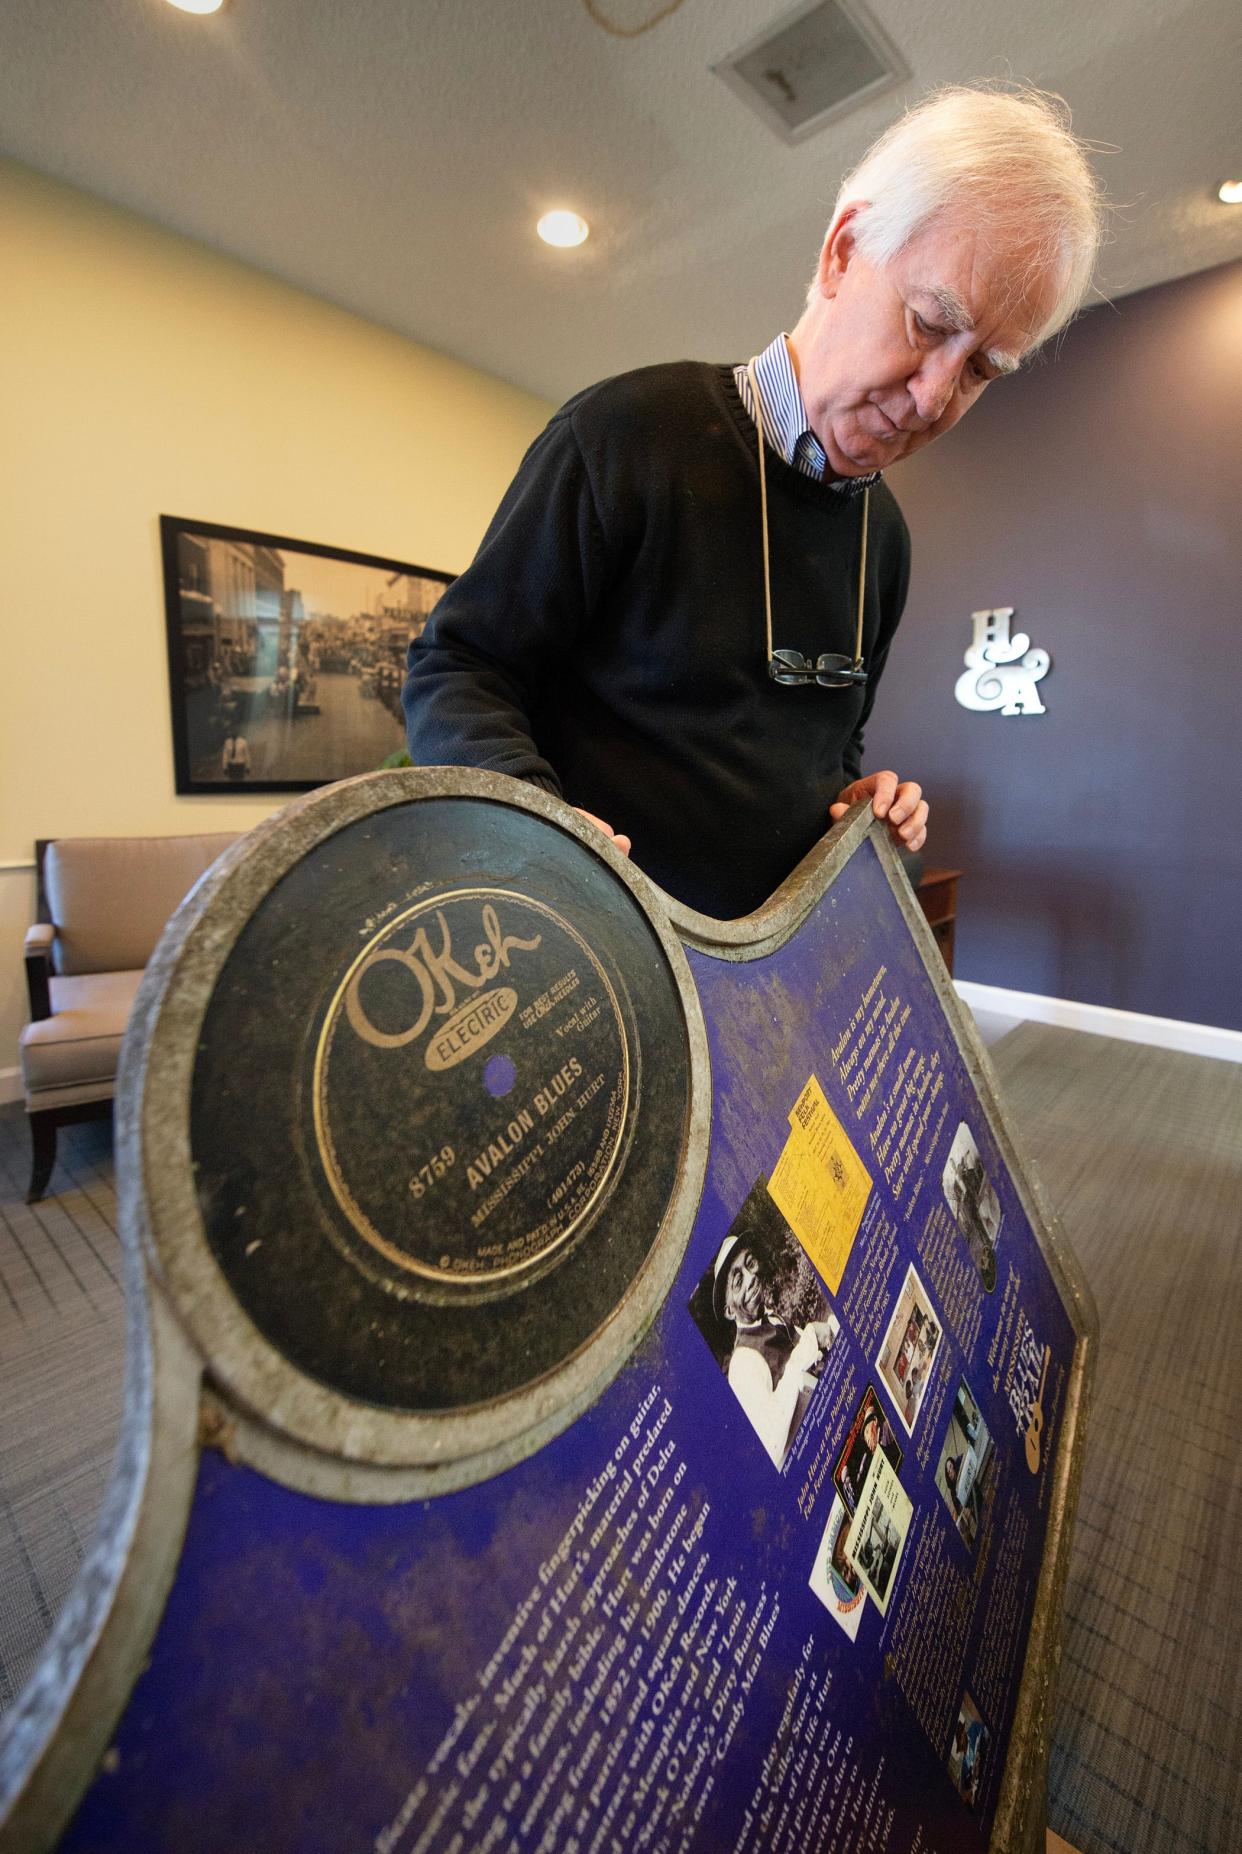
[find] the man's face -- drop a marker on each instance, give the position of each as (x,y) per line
(891,356)
(871,1433)
(743,1294)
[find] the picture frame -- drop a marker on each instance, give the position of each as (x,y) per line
(285,658)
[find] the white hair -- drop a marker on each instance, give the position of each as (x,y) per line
(1005,158)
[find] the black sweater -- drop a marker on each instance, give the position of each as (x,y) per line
(608,640)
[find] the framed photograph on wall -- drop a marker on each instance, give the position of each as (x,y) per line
(285,659)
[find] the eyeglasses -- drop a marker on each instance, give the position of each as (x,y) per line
(790,668)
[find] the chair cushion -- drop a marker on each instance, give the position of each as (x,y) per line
(81,1041)
(111,897)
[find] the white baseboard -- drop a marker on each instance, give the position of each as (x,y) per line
(10,1085)
(1103,1020)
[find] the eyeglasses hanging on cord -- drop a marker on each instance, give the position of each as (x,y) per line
(789,667)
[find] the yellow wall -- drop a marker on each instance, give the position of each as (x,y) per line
(140,375)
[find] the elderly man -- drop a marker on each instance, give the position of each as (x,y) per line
(772,1367)
(681,611)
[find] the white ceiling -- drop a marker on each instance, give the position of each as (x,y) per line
(392,155)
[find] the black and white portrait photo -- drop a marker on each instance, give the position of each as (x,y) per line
(763,1311)
(976,1209)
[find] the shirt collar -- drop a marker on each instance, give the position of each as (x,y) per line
(785,422)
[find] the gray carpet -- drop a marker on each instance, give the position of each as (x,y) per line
(1141,1151)
(62,1345)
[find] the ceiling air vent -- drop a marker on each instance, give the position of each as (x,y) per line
(811,66)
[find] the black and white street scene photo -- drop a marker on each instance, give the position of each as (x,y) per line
(286,660)
(976,1209)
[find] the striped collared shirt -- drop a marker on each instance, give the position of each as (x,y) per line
(785,423)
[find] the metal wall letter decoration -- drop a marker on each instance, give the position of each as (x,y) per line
(1001,672)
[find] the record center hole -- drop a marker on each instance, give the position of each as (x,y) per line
(499,1076)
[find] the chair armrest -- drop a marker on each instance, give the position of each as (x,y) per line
(39,940)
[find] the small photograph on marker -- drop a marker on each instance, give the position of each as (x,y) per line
(976,1208)
(879,1531)
(967,1459)
(762,1309)
(870,1433)
(833,1578)
(820,1185)
(907,1356)
(968,1744)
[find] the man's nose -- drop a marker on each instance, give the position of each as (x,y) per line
(933,386)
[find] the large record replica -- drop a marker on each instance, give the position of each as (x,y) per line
(443,1515)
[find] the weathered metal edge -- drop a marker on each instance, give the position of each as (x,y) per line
(1021,1811)
(753,936)
(53,1737)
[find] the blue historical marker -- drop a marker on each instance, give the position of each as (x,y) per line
(600,1378)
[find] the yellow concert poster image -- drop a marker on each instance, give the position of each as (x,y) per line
(820,1185)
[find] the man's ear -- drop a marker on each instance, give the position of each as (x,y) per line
(839,246)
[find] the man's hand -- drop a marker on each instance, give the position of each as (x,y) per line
(619,842)
(902,803)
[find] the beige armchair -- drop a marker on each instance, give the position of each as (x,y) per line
(103,903)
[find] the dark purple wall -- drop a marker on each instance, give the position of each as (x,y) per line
(1100,494)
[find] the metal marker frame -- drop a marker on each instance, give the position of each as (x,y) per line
(254,1405)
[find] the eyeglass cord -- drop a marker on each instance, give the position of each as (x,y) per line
(763,509)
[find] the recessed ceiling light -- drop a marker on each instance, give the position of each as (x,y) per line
(562,228)
(197,6)
(1231,192)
